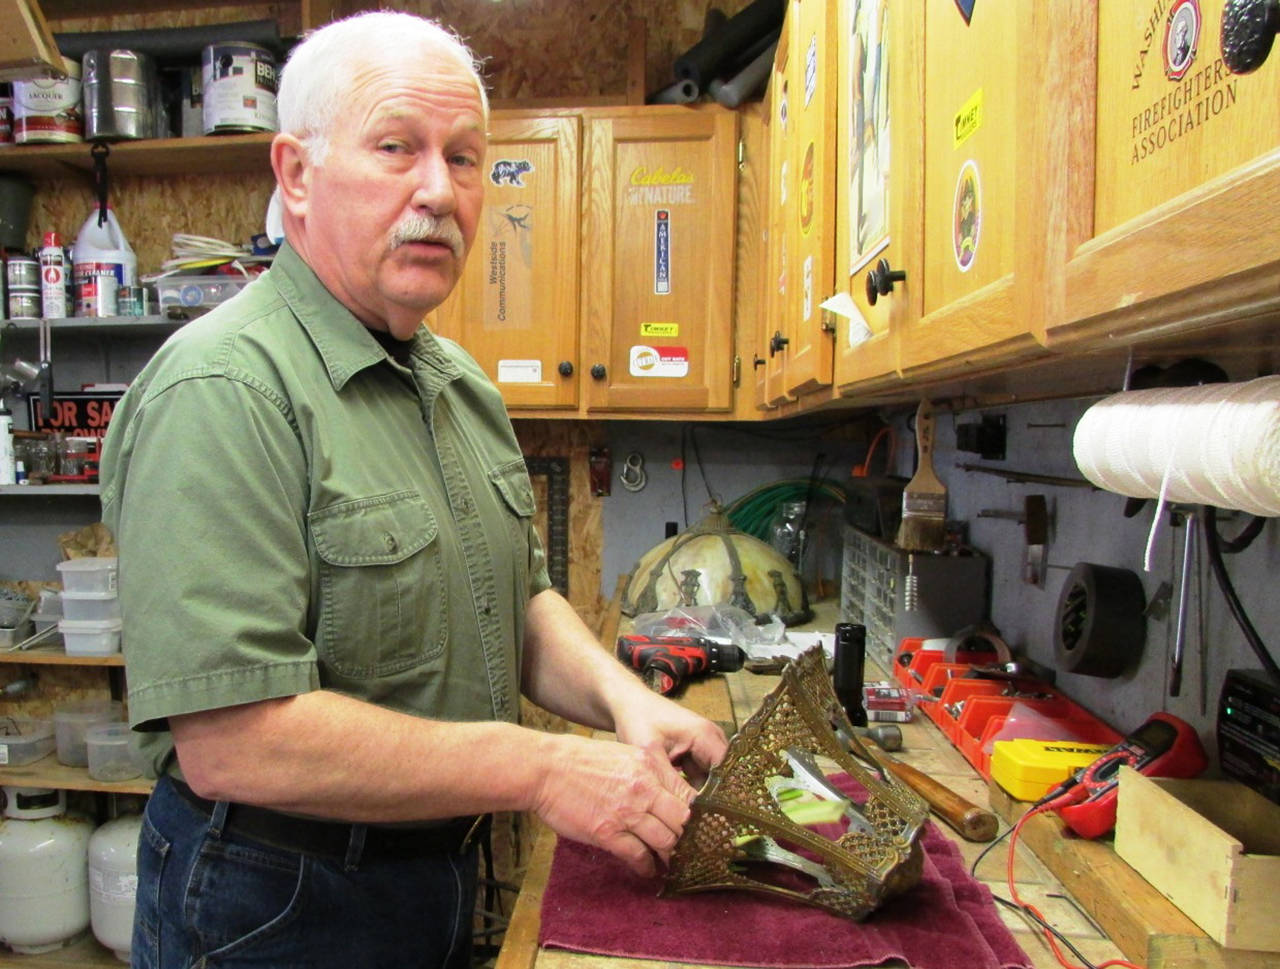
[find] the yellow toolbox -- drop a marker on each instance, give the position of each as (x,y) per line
(1028,768)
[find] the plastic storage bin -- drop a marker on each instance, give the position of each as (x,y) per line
(23,741)
(90,606)
(91,637)
(71,723)
(109,757)
(88,575)
(202,291)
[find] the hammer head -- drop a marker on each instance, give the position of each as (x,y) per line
(886,736)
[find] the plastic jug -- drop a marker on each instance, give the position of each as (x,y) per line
(102,261)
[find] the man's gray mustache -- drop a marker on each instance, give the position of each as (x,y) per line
(429,229)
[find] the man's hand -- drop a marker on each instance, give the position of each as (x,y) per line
(688,741)
(626,799)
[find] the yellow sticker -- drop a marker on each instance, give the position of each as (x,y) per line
(968,118)
(660,329)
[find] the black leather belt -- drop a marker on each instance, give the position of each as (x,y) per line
(334,839)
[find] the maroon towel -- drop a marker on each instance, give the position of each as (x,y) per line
(947,921)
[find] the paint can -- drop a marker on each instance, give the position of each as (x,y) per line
(239,88)
(24,305)
(121,95)
(22,273)
(47,108)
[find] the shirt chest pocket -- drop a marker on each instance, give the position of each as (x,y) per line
(382,604)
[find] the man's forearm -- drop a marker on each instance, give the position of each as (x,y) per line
(329,755)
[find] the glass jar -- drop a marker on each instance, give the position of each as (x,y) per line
(786,531)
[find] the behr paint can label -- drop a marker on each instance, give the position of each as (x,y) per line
(239,81)
(47,109)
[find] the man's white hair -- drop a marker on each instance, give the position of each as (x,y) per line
(321,70)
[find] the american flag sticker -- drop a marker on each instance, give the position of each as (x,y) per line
(662,252)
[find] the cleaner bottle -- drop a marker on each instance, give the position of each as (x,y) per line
(102,262)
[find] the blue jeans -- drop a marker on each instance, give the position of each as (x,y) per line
(210,898)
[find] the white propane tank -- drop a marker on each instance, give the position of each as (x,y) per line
(113,882)
(44,871)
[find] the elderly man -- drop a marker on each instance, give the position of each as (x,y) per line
(333,593)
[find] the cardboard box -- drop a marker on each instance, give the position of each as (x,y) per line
(1210,847)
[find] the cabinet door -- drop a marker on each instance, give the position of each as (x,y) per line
(27,48)
(874,100)
(1186,206)
(516,307)
(969,226)
(780,195)
(658,252)
(810,216)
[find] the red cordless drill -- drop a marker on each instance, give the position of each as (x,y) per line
(665,662)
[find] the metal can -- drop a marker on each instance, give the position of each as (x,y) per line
(132,301)
(239,82)
(6,114)
(100,293)
(22,273)
(24,306)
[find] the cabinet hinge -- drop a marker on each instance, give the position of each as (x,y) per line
(742,154)
(737,370)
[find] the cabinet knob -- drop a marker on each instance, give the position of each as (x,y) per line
(565,369)
(777,343)
(881,279)
(757,362)
(1248,28)
(598,371)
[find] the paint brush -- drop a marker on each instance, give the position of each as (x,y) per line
(924,499)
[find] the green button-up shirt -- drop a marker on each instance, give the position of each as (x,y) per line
(294,511)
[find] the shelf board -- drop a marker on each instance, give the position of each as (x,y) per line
(57,656)
(202,155)
(85,952)
(48,490)
(48,772)
(106,326)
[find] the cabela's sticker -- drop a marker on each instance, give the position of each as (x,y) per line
(1181,35)
(966,220)
(968,119)
(807,296)
(510,171)
(649,361)
(662,252)
(806,191)
(519,371)
(660,186)
(665,330)
(811,70)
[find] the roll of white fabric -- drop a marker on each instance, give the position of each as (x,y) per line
(1214,444)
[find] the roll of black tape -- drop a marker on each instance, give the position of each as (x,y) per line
(1101,627)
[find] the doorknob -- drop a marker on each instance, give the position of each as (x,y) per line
(881,279)
(598,371)
(565,369)
(1248,28)
(777,342)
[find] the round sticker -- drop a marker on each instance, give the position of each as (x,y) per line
(1181,34)
(966,218)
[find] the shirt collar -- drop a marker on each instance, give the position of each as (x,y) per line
(343,342)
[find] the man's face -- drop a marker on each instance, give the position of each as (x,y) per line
(393,209)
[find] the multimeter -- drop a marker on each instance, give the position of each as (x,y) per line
(1164,746)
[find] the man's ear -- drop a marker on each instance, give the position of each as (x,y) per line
(292,167)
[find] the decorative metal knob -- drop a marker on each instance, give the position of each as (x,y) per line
(565,368)
(777,343)
(598,371)
(757,362)
(1248,28)
(881,279)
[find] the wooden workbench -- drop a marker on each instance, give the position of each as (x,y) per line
(1078,886)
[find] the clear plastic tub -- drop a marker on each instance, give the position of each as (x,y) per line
(109,757)
(24,741)
(89,575)
(90,606)
(90,637)
(71,723)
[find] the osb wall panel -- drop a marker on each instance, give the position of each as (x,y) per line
(151,210)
